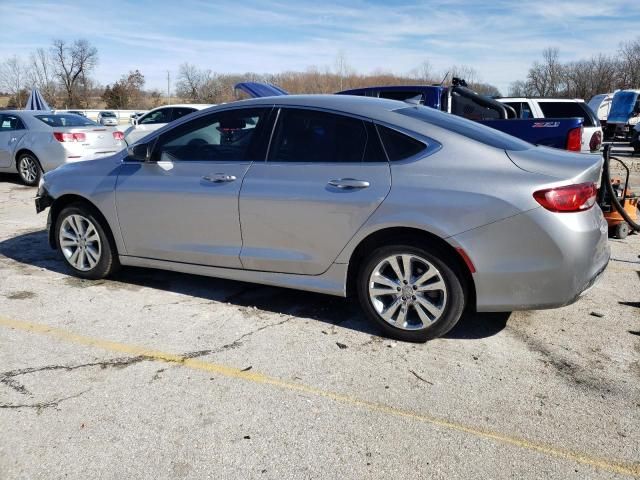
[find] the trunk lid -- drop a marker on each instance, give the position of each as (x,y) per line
(96,138)
(559,164)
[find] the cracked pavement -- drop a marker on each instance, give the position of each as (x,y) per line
(369,407)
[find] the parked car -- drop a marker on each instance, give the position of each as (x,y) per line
(33,141)
(108,119)
(135,116)
(624,114)
(473,217)
(561,108)
(156,118)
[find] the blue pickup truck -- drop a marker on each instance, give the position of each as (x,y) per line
(564,133)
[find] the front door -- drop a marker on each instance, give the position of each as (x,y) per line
(325,175)
(183,205)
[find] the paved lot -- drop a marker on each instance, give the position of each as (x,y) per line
(161,375)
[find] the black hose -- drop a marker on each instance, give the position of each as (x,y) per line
(606,179)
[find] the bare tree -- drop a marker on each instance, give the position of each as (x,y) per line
(629,68)
(189,82)
(545,78)
(13,78)
(423,72)
(73,63)
(40,74)
(343,70)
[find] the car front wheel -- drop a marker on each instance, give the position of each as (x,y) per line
(84,244)
(411,293)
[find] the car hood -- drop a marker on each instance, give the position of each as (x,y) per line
(559,164)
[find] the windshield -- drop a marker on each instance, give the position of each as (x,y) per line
(108,114)
(473,130)
(66,120)
(595,102)
(622,106)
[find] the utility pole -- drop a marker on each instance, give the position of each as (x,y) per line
(168,91)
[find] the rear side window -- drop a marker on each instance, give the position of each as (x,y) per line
(567,110)
(66,120)
(398,145)
(10,123)
(313,136)
(181,112)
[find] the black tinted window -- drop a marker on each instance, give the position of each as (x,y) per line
(181,112)
(567,110)
(398,145)
(312,136)
(468,108)
(221,136)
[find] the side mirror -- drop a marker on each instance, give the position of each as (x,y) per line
(134,121)
(139,152)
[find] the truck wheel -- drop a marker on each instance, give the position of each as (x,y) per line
(622,230)
(411,293)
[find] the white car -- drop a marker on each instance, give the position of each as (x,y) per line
(560,108)
(158,117)
(108,119)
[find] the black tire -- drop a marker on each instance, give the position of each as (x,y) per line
(29,169)
(455,299)
(107,262)
(622,230)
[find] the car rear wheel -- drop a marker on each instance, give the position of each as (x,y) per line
(84,244)
(411,293)
(29,169)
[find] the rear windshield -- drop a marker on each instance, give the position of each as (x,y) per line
(473,130)
(66,120)
(567,110)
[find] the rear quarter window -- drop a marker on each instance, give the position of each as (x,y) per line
(398,145)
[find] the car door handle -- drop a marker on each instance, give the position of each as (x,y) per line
(219,178)
(348,183)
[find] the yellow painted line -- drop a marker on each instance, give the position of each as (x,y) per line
(630,469)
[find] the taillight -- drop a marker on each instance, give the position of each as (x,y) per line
(69,137)
(574,139)
(596,141)
(118,136)
(570,198)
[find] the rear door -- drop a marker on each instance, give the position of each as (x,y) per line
(11,131)
(183,205)
(326,174)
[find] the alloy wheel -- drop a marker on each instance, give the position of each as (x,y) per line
(28,169)
(80,242)
(407,291)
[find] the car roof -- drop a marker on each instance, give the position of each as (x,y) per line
(358,105)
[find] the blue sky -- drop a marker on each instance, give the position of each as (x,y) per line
(500,39)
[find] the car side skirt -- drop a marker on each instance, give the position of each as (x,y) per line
(331,282)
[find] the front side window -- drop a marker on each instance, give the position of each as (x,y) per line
(313,136)
(159,116)
(9,123)
(221,136)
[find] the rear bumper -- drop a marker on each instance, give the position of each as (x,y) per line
(537,259)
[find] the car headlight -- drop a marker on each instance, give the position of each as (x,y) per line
(634,120)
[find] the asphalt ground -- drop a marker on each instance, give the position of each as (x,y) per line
(155,374)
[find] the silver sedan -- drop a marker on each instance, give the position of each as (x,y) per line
(419,213)
(34,141)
